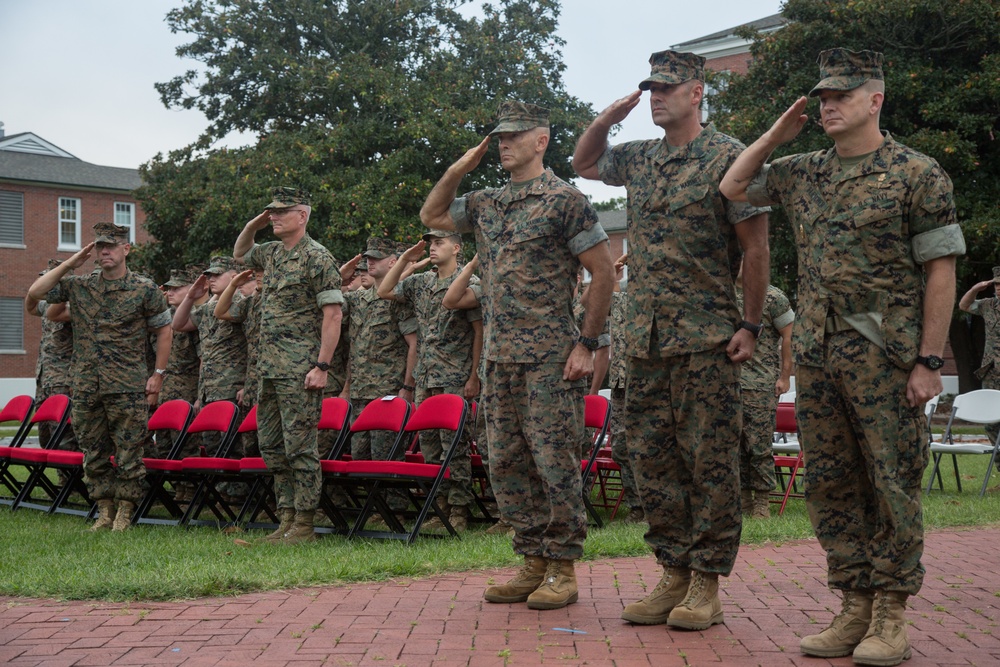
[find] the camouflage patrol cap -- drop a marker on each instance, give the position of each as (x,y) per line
(840,69)
(285,197)
(515,116)
(673,67)
(178,278)
(441,234)
(53,263)
(220,264)
(401,248)
(109,232)
(996,274)
(362,265)
(379,247)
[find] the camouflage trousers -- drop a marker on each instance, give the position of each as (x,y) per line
(458,488)
(865,450)
(112,425)
(534,424)
(371,445)
(619,449)
(683,426)
(760,410)
(46,429)
(287,415)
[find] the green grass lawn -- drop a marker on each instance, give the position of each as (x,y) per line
(56,556)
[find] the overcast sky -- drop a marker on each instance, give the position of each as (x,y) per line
(80,73)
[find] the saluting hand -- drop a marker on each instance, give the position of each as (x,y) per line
(80,258)
(790,124)
(199,288)
(242,278)
(472,157)
(347,269)
(619,110)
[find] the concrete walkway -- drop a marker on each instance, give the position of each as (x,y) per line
(775,595)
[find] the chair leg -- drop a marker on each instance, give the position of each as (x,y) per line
(989,471)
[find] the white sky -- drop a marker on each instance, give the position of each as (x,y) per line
(80,73)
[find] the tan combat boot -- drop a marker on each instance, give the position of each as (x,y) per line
(701,607)
(105,516)
(435,524)
(459,518)
(302,530)
(746,501)
(668,593)
(846,630)
(558,589)
(501,527)
(886,642)
(528,578)
(123,517)
(761,506)
(285,517)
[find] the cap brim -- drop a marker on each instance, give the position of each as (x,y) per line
(836,83)
(174,283)
(109,239)
(374,254)
(215,272)
(278,205)
(514,126)
(661,78)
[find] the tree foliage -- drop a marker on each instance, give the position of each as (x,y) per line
(942,72)
(362,102)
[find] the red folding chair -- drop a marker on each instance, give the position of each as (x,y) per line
(788,457)
(176,416)
(17,409)
(389,413)
(420,482)
(336,417)
(207,470)
(597,415)
(54,409)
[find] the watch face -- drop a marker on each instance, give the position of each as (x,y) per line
(935,363)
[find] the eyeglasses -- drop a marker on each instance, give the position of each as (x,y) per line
(285,211)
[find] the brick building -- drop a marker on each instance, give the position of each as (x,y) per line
(49,203)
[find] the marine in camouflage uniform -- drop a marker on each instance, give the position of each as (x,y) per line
(299,331)
(53,370)
(532,235)
(618,380)
(181,381)
(875,226)
(683,333)
(223,345)
(112,309)
(989,310)
(449,344)
(762,380)
(235,305)
(381,333)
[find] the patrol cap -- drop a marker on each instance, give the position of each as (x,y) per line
(840,69)
(440,234)
(379,247)
(362,265)
(673,67)
(178,278)
(996,274)
(109,232)
(220,264)
(515,116)
(285,197)
(53,263)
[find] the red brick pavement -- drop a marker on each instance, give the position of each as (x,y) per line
(775,595)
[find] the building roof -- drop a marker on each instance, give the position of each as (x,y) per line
(612,221)
(765,24)
(28,158)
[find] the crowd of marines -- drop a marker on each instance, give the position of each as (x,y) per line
(701,344)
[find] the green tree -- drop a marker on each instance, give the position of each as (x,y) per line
(362,102)
(942,72)
(613,204)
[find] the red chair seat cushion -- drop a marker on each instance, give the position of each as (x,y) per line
(251,464)
(394,469)
(31,455)
(162,465)
(60,457)
(333,467)
(210,463)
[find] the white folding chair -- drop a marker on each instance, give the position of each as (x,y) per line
(977,407)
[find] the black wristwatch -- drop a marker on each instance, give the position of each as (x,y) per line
(322,365)
(590,343)
(755,329)
(931,361)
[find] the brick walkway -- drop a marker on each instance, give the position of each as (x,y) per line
(775,595)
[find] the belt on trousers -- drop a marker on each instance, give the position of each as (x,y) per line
(836,324)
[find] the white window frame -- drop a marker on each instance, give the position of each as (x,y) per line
(14,316)
(131,221)
(78,222)
(625,252)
